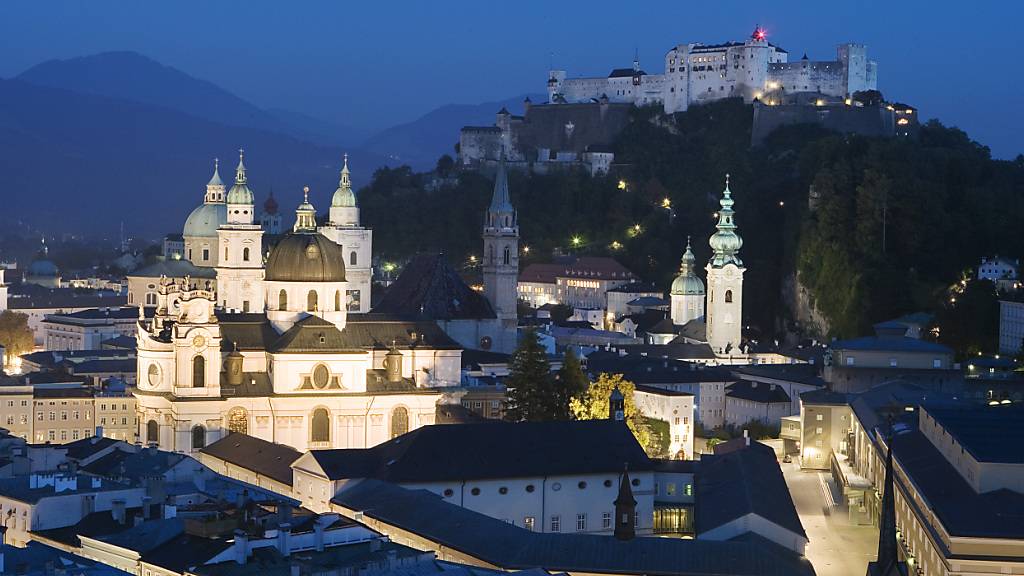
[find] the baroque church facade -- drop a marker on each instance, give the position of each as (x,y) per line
(285,348)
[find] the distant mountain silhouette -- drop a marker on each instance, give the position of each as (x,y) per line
(75,162)
(133,76)
(421,142)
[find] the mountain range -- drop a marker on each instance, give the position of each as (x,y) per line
(94,141)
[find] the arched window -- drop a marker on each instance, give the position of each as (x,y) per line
(245,254)
(399,421)
(728,296)
(337,300)
(282,300)
(198,372)
(225,253)
(352,258)
(238,420)
(508,255)
(150,299)
(152,431)
(198,437)
(320,428)
(311,301)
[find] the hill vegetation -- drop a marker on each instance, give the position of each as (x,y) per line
(890,226)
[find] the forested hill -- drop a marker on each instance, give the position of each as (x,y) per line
(891,225)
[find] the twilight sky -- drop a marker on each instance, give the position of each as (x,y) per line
(379,63)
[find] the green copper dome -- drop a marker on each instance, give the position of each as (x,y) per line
(687,283)
(240,193)
(343,196)
(725,242)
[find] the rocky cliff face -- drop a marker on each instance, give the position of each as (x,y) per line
(798,299)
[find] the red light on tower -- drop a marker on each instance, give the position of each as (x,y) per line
(759,34)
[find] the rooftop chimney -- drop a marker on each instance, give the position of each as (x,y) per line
(241,547)
(117,510)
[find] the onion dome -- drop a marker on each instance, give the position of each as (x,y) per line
(240,193)
(306,257)
(687,282)
(42,268)
(343,196)
(725,242)
(270,206)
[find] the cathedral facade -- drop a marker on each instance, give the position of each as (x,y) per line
(283,347)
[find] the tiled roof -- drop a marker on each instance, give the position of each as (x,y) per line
(513,548)
(267,458)
(741,482)
(464,452)
(173,269)
(989,433)
(429,289)
(757,392)
(891,344)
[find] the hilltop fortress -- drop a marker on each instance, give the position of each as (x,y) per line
(696,73)
(578,125)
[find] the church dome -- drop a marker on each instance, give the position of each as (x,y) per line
(343,196)
(725,242)
(240,193)
(306,257)
(204,221)
(687,283)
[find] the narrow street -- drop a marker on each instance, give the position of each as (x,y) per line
(836,548)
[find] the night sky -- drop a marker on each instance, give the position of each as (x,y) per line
(375,64)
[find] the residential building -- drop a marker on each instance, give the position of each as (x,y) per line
(752,401)
(87,329)
(577,282)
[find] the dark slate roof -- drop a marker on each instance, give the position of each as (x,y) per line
(491,450)
(665,326)
(962,511)
(800,373)
(646,319)
(512,548)
(457,414)
(472,359)
(891,344)
(120,342)
(116,313)
(660,391)
(247,331)
(80,449)
(695,329)
(113,365)
(271,460)
(741,482)
(757,392)
(51,358)
(825,397)
(19,489)
(653,369)
(173,269)
(430,289)
(989,433)
(184,552)
(636,288)
(647,301)
(144,463)
(30,296)
(625,73)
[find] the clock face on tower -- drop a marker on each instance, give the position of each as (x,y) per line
(199,341)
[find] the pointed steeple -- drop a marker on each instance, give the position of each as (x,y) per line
(215,180)
(343,196)
(501,214)
(215,187)
(625,508)
(725,242)
(240,170)
(888,560)
(305,215)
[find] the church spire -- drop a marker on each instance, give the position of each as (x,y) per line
(625,509)
(215,180)
(240,170)
(725,242)
(500,201)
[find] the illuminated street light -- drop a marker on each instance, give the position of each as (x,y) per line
(576,240)
(615,245)
(623,185)
(526,249)
(666,203)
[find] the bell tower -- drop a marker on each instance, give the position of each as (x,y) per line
(240,240)
(501,254)
(725,282)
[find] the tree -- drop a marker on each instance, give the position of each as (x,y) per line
(530,393)
(570,383)
(15,335)
(444,165)
(593,405)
